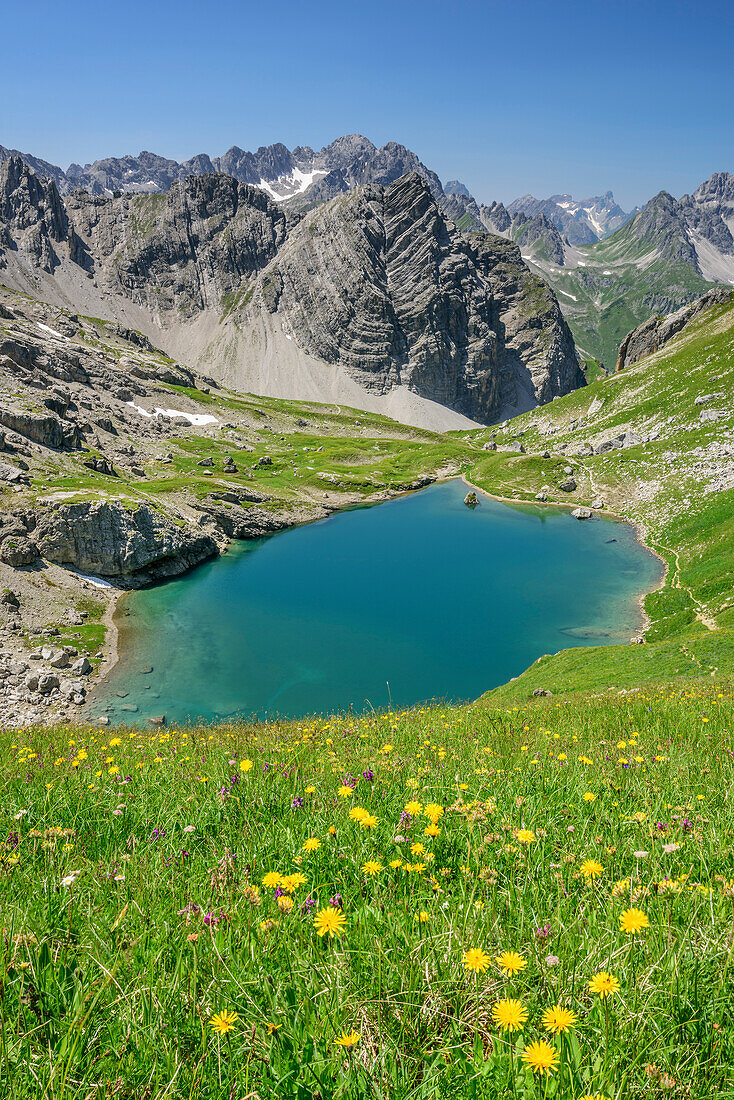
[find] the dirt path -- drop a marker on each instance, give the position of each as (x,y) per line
(675,582)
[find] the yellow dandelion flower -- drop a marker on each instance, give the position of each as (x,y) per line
(591,869)
(357,813)
(368,821)
(476,959)
(348,1039)
(541,1057)
(395,863)
(589,796)
(414,808)
(603,983)
(417,849)
(292,882)
(345,792)
(526,836)
(372,867)
(245,765)
(510,1015)
(309,790)
(222,1022)
(433,811)
(329,921)
(432,830)
(423,916)
(633,921)
(312,844)
(271,880)
(559,1019)
(510,962)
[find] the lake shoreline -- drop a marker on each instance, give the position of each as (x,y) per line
(639,529)
(121,648)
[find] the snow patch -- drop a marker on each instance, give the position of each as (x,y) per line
(197,420)
(52,331)
(581,263)
(96,581)
(607,272)
(288,186)
(569,295)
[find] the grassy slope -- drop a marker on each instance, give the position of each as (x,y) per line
(620,285)
(134,909)
(656,485)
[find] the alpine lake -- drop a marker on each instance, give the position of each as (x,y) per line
(415,600)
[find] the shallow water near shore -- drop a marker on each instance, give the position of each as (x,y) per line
(416,599)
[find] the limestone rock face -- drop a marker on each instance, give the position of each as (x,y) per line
(377,283)
(650,336)
(184,251)
(31,214)
(49,430)
(133,546)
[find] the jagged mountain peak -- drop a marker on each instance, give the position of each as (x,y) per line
(372,299)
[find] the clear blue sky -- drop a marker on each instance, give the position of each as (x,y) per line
(508,97)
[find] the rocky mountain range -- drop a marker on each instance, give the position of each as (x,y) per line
(284,174)
(581,221)
(667,255)
(372,298)
(610,269)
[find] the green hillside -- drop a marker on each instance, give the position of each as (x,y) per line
(676,483)
(610,287)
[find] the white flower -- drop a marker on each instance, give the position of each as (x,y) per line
(71,878)
(640,855)
(21,813)
(189,828)
(670,848)
(552,960)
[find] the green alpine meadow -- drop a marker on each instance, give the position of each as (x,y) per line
(367,552)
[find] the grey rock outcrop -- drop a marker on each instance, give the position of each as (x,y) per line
(657,331)
(17,550)
(132,546)
(376,282)
(48,430)
(379,282)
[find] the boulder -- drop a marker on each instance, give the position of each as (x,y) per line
(136,545)
(568,486)
(581,513)
(82,667)
(471,500)
(17,550)
(47,429)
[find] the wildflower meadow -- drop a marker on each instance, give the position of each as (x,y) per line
(484,901)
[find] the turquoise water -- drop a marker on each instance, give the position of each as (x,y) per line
(419,598)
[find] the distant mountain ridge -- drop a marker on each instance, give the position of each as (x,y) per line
(281,172)
(372,299)
(305,177)
(611,269)
(581,221)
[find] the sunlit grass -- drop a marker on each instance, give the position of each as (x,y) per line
(135,915)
